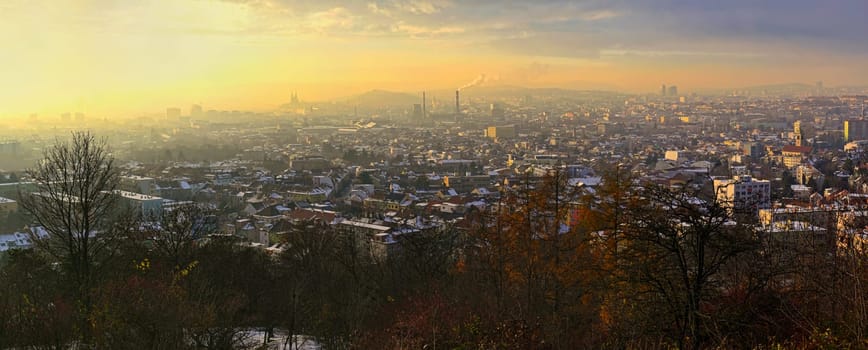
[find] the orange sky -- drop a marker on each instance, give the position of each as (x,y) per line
(106,57)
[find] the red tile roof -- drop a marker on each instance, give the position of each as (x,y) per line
(796,149)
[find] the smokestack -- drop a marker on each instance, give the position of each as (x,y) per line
(457,102)
(424,105)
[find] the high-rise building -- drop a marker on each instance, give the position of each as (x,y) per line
(496,112)
(424,105)
(673,91)
(173,113)
(752,149)
(417,111)
(196,111)
(743,193)
(505,131)
(663,90)
(855,129)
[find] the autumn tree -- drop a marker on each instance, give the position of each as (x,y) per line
(674,248)
(33,314)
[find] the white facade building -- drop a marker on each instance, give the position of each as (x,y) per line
(743,192)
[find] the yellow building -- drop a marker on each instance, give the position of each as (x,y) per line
(505,131)
(794,155)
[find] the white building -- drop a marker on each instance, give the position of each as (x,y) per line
(147,206)
(743,192)
(21,240)
(140,184)
(17,240)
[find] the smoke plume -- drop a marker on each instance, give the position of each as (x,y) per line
(476,82)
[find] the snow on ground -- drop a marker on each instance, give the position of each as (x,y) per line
(254,338)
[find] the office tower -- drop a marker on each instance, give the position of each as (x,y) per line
(424,106)
(855,130)
(173,113)
(504,131)
(673,91)
(752,149)
(496,112)
(417,111)
(196,111)
(663,90)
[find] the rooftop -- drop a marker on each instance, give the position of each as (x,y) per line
(137,196)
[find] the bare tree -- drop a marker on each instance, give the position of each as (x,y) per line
(175,231)
(676,247)
(73,201)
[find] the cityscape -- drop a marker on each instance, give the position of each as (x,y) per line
(700,187)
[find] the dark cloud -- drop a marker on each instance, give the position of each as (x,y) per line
(570,28)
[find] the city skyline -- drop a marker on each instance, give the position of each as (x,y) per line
(110,58)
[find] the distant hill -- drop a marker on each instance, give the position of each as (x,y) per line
(501,91)
(381,98)
(767,89)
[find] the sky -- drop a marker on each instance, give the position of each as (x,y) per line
(113,57)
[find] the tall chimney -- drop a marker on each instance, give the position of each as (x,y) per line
(423,105)
(457,102)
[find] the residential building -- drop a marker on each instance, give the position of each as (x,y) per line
(504,131)
(145,205)
(743,192)
(792,156)
(855,129)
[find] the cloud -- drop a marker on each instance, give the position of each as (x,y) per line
(549,44)
(337,18)
(600,15)
(648,28)
(421,7)
(533,71)
(377,10)
(422,31)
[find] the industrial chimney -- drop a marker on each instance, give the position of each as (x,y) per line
(457,102)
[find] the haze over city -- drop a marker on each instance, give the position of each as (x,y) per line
(113,58)
(433,174)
